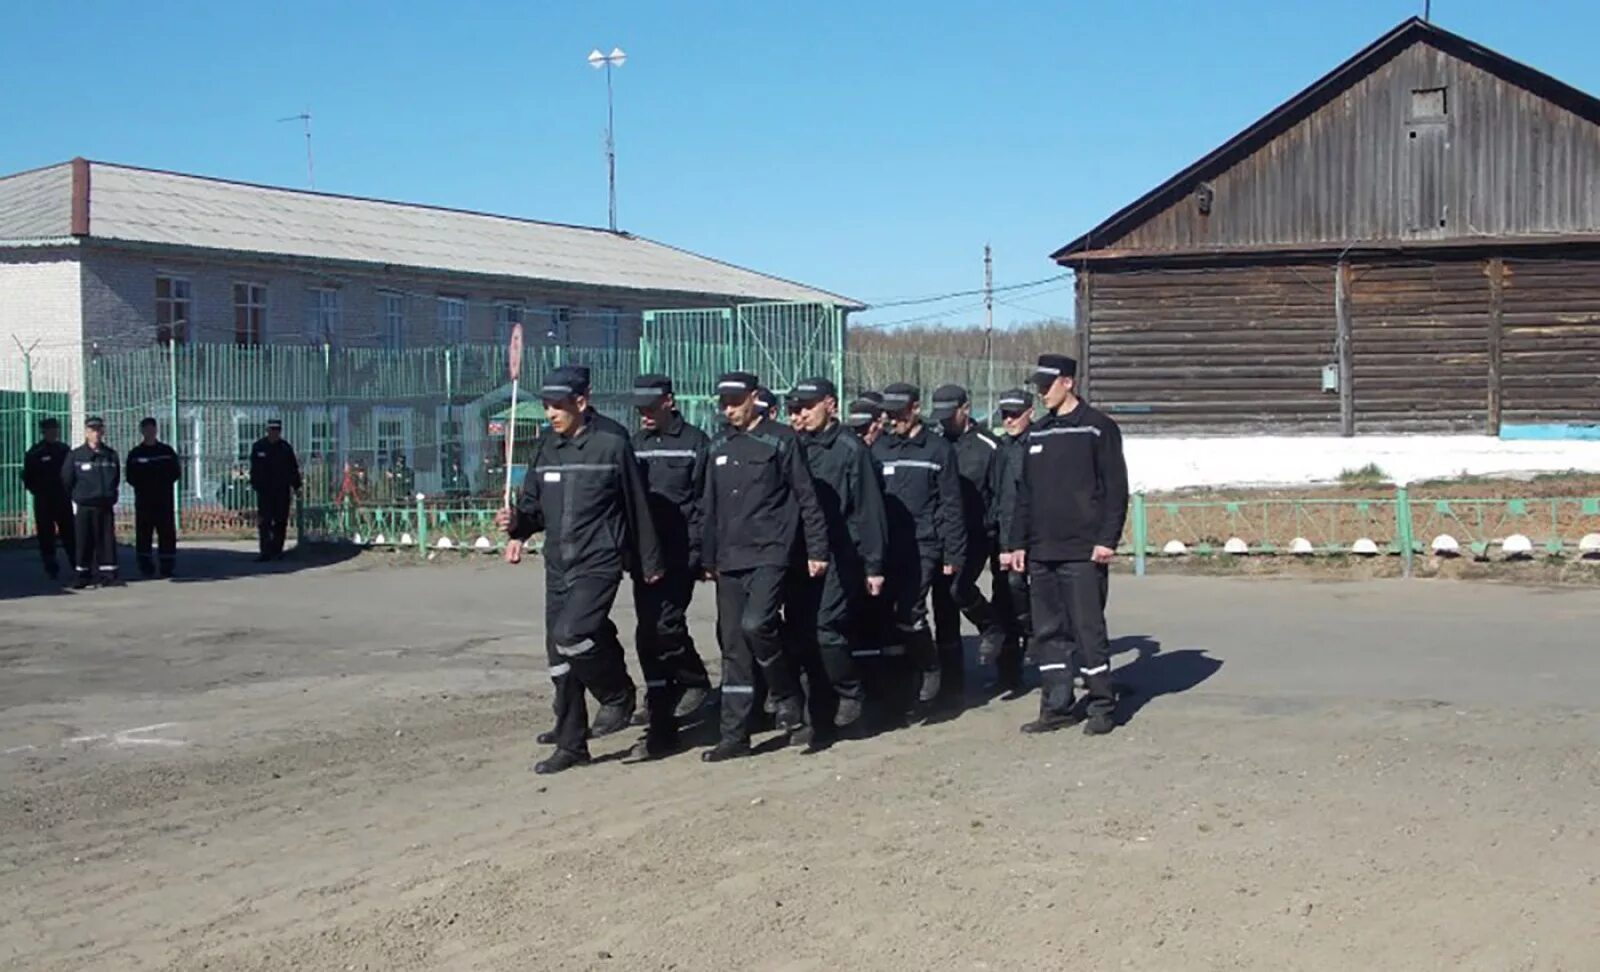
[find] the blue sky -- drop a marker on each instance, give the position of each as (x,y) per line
(870,147)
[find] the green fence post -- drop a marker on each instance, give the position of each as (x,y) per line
(1402,522)
(172,425)
(422,530)
(1140,534)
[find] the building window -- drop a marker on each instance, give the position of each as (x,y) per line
(1427,103)
(506,316)
(452,320)
(172,310)
(559,330)
(322,314)
(324,443)
(610,328)
(249,314)
(394,321)
(391,436)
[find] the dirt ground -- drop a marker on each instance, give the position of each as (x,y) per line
(327,766)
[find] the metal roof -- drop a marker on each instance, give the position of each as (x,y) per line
(146,206)
(1412,31)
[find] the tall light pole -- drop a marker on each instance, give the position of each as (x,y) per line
(598,60)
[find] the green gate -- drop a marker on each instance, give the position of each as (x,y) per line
(780,342)
(20,413)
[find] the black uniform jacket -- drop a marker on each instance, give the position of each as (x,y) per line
(587,496)
(852,501)
(760,504)
(922,491)
(1073,492)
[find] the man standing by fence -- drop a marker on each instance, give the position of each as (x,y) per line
(759,505)
(42,468)
(275,476)
(153,470)
(92,476)
(672,454)
(1071,505)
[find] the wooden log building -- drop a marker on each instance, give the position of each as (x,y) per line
(1411,244)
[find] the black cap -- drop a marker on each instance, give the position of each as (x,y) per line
(766,400)
(737,383)
(49,423)
(1015,400)
(1053,366)
(94,422)
(275,424)
(869,395)
(650,389)
(900,395)
(810,391)
(568,381)
(946,399)
(147,421)
(863,411)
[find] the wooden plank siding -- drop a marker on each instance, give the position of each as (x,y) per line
(1241,348)
(1501,161)
(1551,340)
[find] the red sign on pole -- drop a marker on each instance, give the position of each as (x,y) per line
(516,351)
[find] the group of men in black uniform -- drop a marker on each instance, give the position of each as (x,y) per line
(827,538)
(75,493)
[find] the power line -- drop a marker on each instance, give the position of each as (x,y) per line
(910,302)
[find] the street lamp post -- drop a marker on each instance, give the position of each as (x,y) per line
(598,60)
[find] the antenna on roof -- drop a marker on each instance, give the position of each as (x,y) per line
(1427,9)
(304,118)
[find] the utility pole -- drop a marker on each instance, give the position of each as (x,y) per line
(988,319)
(304,118)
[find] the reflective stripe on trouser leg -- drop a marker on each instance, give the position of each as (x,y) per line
(1085,584)
(581,636)
(1052,648)
(738,664)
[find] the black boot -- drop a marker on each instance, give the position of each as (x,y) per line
(546,738)
(1099,724)
(82,582)
(725,750)
(560,760)
(790,714)
(991,645)
(613,718)
(147,567)
(1050,722)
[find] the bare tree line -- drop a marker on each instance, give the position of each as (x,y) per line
(1022,342)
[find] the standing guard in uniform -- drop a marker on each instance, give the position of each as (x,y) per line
(92,475)
(1016,414)
(761,514)
(978,462)
(927,536)
(824,614)
(672,455)
(153,470)
(42,466)
(584,490)
(275,476)
(1072,502)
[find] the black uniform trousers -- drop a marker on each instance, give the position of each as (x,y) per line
(1009,595)
(154,515)
(911,580)
(96,530)
(750,630)
(52,524)
(272,520)
(667,656)
(819,624)
(957,595)
(1069,632)
(584,653)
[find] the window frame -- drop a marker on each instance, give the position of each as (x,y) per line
(449,302)
(324,317)
(171,302)
(251,288)
(392,319)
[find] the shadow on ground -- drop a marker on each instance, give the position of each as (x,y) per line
(22,574)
